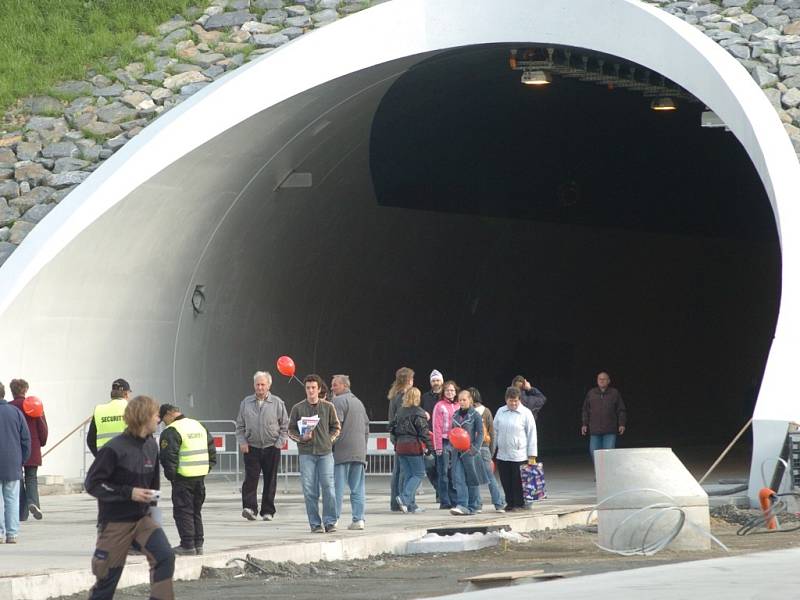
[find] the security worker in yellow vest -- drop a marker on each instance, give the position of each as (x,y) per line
(108,421)
(187,455)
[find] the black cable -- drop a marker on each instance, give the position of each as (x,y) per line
(776,510)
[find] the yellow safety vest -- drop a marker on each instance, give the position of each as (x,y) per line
(109,421)
(193,455)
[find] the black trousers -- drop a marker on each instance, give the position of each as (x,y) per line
(28,492)
(114,540)
(188,495)
(260,461)
(511,480)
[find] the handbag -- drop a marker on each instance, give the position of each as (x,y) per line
(533,484)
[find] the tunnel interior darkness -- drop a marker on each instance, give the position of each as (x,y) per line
(487,229)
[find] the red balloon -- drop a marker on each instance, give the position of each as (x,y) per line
(459,438)
(32,407)
(286,366)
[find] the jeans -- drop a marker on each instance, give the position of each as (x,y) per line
(412,470)
(316,471)
(498,498)
(9,508)
(606,441)
(444,463)
(29,492)
(350,474)
(395,486)
(467,496)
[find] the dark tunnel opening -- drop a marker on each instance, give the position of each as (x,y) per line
(561,230)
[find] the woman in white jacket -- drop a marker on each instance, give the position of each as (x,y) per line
(515,437)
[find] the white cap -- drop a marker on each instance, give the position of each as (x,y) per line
(436,375)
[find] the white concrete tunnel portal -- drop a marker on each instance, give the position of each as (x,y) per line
(102,287)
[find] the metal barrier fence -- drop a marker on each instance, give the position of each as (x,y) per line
(380,453)
(224,434)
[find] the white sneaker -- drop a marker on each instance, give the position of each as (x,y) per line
(456,511)
(356,526)
(249,514)
(267,517)
(500,509)
(400,504)
(35,511)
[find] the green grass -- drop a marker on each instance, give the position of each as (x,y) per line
(43,42)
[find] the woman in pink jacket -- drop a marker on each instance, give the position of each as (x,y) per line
(446,455)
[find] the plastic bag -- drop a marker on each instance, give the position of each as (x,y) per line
(533,484)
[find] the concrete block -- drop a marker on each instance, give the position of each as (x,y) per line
(645,472)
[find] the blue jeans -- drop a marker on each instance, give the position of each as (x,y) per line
(498,498)
(467,496)
(9,508)
(412,470)
(444,463)
(350,474)
(316,471)
(606,441)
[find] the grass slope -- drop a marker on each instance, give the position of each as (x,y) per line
(46,41)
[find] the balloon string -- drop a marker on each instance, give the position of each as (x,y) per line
(297,380)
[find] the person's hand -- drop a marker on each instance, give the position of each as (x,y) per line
(245,448)
(527,385)
(621,429)
(307,435)
(584,429)
(142,495)
(531,460)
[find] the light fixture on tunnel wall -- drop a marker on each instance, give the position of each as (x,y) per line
(198,299)
(295,179)
(665,103)
(537,78)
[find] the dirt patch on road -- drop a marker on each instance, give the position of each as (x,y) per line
(404,577)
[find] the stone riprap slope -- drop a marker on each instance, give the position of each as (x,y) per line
(50,144)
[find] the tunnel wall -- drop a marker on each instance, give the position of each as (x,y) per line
(101,287)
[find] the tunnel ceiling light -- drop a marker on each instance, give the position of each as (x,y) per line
(710,119)
(296,180)
(536,77)
(663,104)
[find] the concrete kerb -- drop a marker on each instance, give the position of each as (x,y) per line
(51,585)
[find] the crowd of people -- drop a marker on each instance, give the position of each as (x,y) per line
(331,430)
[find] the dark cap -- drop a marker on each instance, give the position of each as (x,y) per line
(167,408)
(120,385)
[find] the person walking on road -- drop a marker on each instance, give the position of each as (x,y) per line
(108,420)
(125,480)
(350,450)
(313,424)
(15,448)
(262,429)
(29,486)
(187,455)
(604,415)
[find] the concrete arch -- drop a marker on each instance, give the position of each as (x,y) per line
(111,270)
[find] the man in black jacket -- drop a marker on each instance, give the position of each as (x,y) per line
(124,479)
(429,400)
(187,455)
(531,397)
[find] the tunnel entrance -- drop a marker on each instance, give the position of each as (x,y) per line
(558,230)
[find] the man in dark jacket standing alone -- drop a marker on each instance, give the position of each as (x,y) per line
(187,455)
(350,450)
(15,447)
(604,415)
(29,489)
